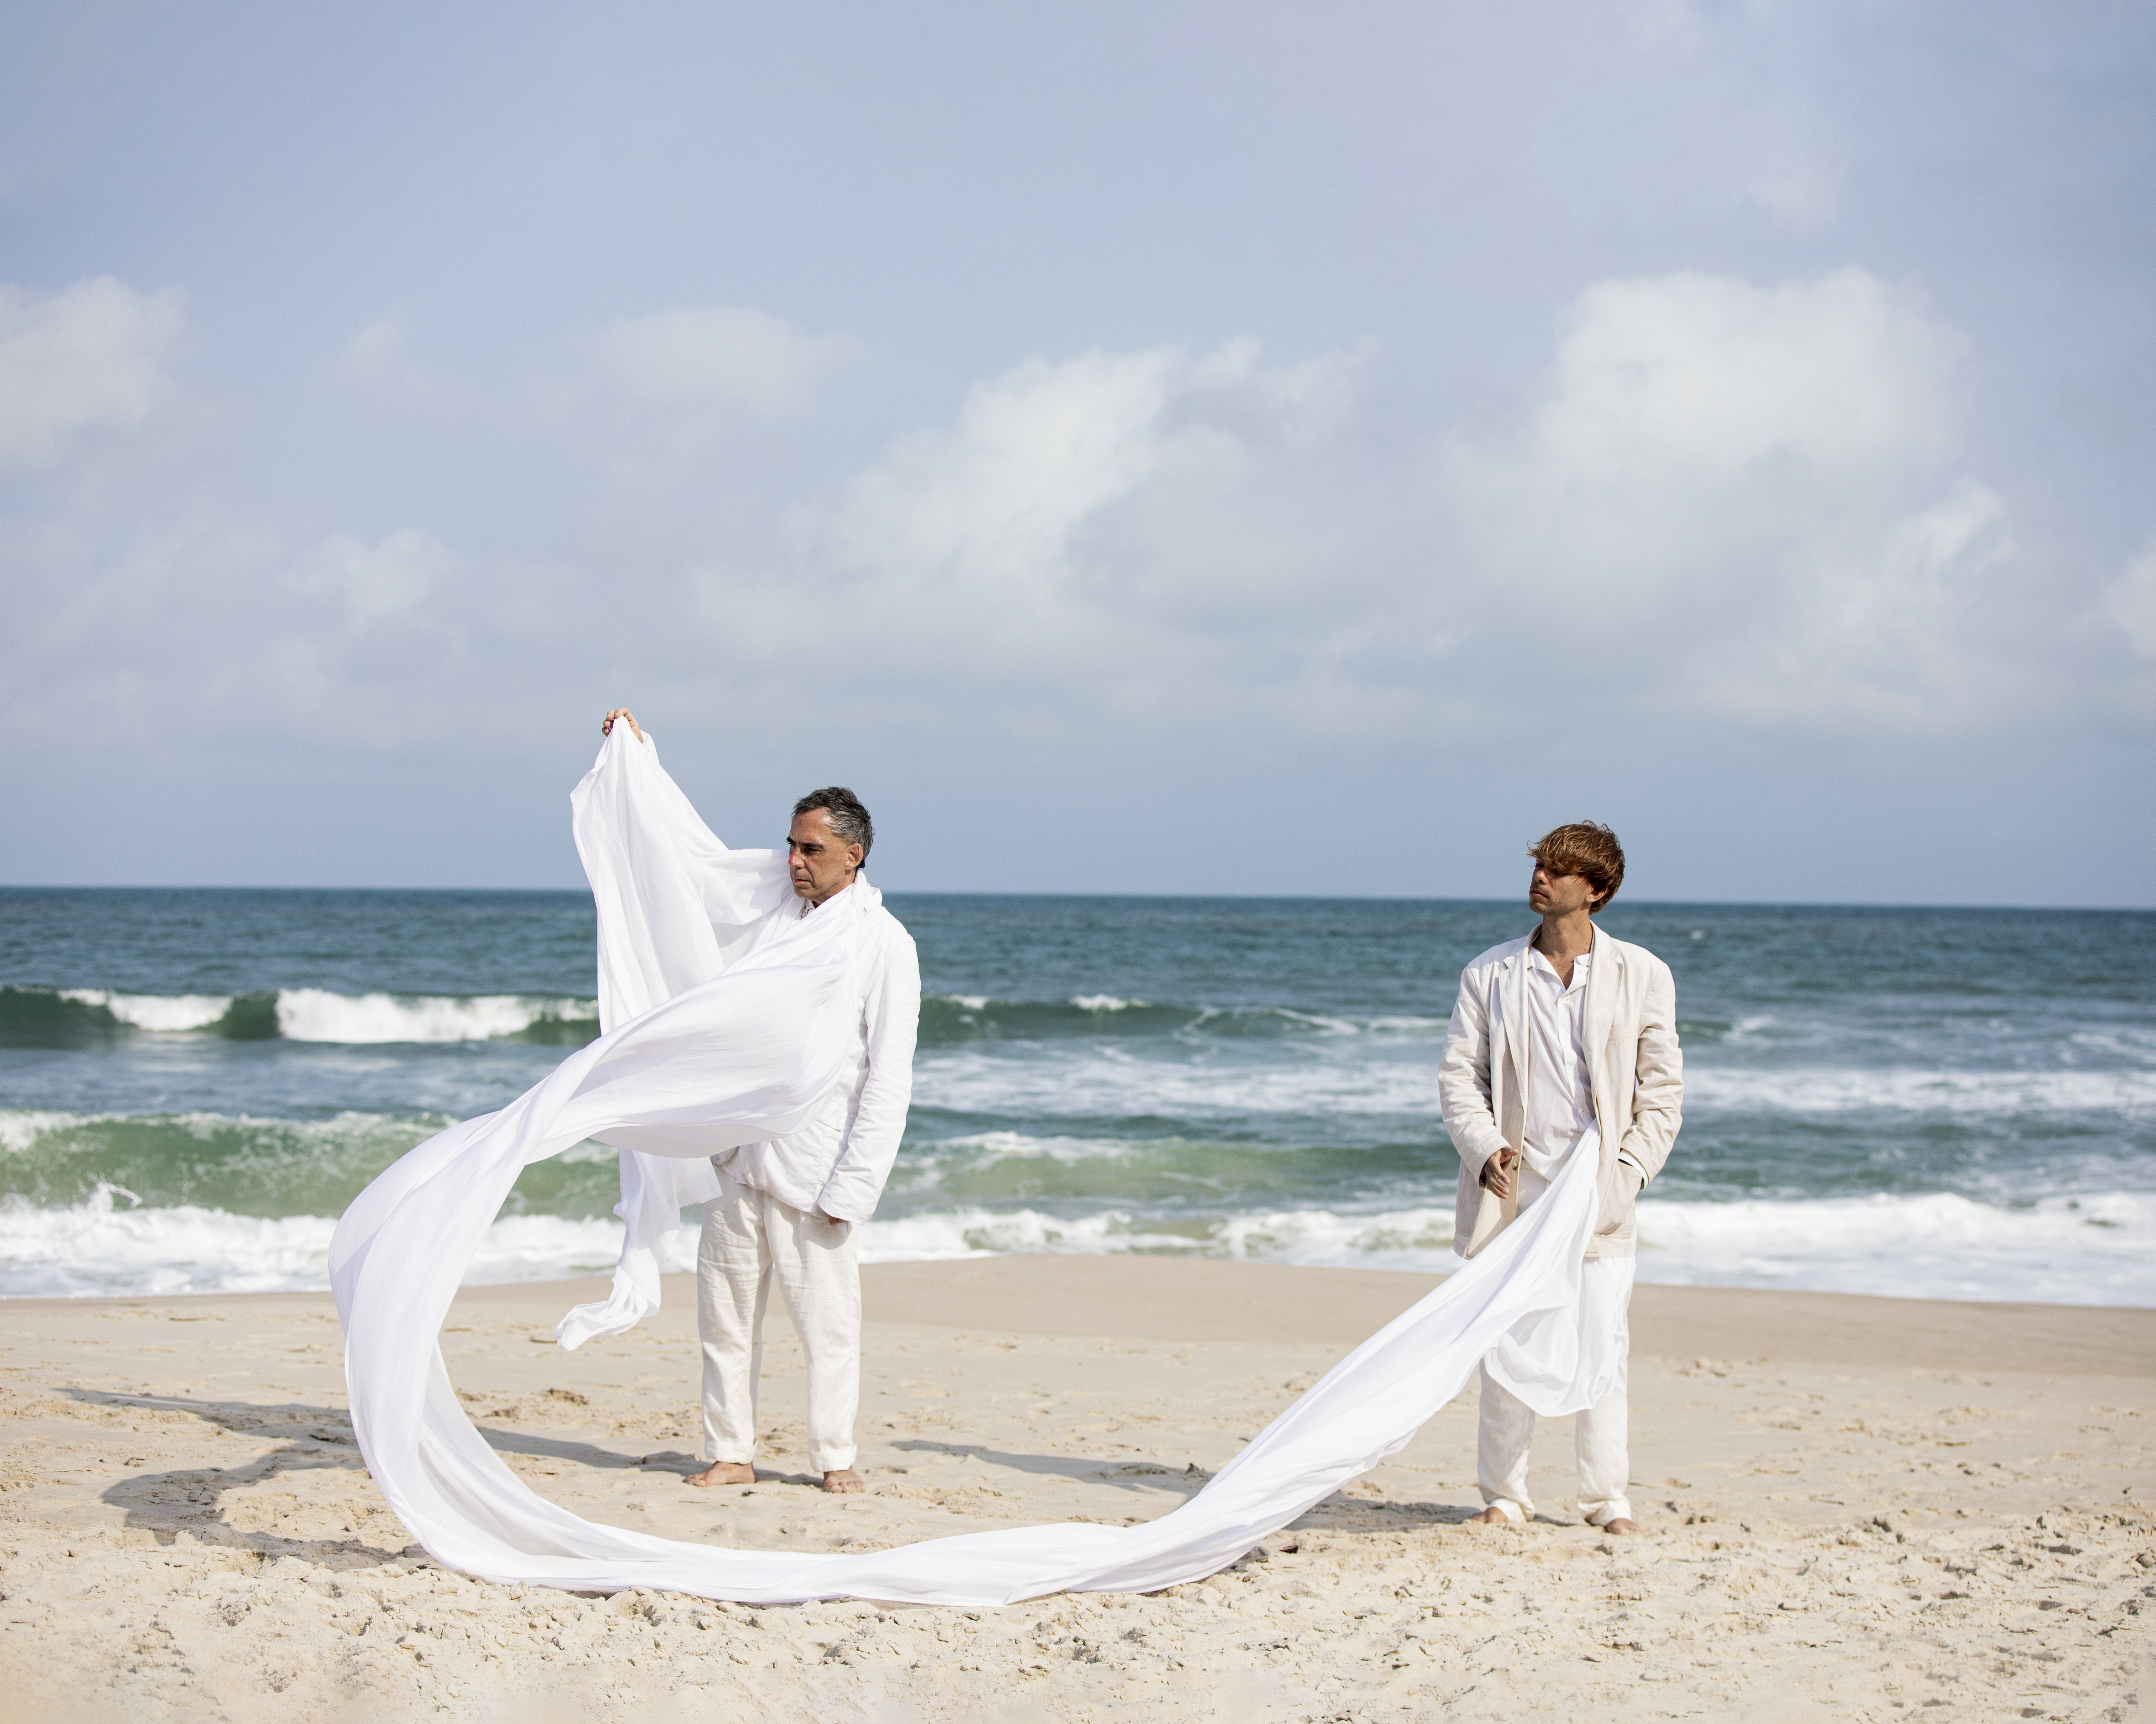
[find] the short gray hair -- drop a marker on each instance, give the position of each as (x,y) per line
(849,819)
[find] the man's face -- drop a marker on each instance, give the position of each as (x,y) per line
(818,862)
(1558,894)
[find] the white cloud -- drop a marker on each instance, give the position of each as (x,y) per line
(378,356)
(1751,489)
(2130,600)
(1745,492)
(1726,503)
(726,355)
(1803,194)
(91,356)
(372,583)
(1680,378)
(1035,451)
(1084,521)
(1877,636)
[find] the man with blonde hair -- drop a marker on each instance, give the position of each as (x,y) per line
(1564,1042)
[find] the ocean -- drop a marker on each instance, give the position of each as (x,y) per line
(1955,1104)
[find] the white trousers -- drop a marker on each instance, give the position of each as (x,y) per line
(751,1239)
(1600,1441)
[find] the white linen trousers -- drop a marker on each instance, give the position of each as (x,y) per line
(1506,1430)
(749,1240)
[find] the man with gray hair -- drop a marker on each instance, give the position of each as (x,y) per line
(788,1210)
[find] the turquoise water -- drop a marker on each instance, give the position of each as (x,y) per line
(1951,1103)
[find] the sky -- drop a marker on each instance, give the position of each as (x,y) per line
(1268,447)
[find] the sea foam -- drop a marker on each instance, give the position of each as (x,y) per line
(1363,1074)
(102,1246)
(2095,1249)
(167,1013)
(1832,1090)
(311,1015)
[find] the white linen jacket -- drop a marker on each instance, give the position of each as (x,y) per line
(1635,1074)
(838,1163)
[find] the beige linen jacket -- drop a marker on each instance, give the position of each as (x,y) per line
(1635,1072)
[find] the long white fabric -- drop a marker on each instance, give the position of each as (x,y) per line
(746,1043)
(1568,1358)
(675,909)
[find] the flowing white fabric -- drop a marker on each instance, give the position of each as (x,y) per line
(675,908)
(1564,1359)
(743,1051)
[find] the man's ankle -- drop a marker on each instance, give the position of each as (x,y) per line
(725,1472)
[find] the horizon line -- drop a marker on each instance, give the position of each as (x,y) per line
(1190,897)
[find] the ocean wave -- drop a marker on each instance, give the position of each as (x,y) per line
(1366,1075)
(22,1126)
(1817,1090)
(2097,1249)
(997,1146)
(254,1166)
(101,1247)
(1398,1239)
(159,1011)
(70,1017)
(952,1019)
(2089,1250)
(1109,1082)
(310,1015)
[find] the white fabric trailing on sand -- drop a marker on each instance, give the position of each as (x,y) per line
(741,1044)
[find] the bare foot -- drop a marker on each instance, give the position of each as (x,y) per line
(1490,1516)
(843,1479)
(1621,1526)
(723,1472)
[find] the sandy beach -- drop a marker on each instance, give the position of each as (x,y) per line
(1851,1508)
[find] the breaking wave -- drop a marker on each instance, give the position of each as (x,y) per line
(2090,1250)
(74,1017)
(110,1245)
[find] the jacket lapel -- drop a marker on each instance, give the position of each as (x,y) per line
(1604,982)
(1513,986)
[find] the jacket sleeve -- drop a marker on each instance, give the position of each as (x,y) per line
(1463,1078)
(892,1013)
(1658,1099)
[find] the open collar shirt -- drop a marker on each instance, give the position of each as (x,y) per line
(1560,1099)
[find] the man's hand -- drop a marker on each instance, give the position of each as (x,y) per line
(606,724)
(1497,1177)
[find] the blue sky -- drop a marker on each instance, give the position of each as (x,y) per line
(1266,448)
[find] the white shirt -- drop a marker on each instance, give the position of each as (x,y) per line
(838,1163)
(1560,1098)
